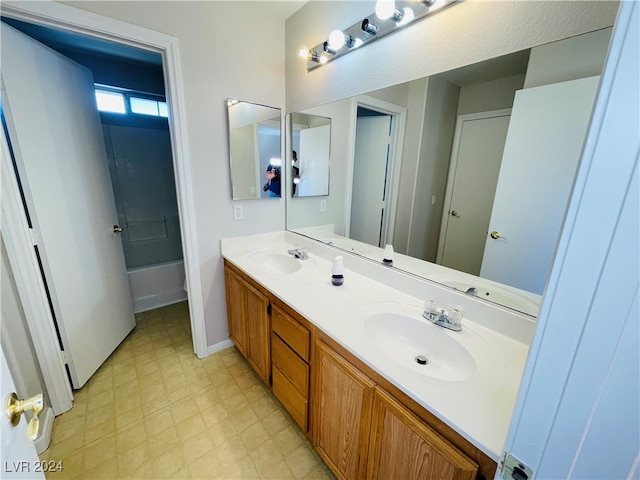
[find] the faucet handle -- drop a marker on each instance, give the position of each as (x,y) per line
(430,307)
(455,316)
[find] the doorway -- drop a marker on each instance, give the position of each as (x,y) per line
(131,99)
(58,16)
(473,174)
(375,176)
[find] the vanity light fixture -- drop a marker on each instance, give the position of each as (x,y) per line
(389,16)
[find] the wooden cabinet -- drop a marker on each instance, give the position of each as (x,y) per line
(290,346)
(403,446)
(235,292)
(342,413)
(362,425)
(248,317)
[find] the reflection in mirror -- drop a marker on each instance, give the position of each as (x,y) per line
(310,143)
(254,150)
(487,162)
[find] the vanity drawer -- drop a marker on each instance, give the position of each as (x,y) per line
(294,334)
(290,366)
(291,400)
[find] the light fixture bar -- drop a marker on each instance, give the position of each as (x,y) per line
(371,28)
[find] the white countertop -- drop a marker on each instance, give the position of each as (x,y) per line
(478,408)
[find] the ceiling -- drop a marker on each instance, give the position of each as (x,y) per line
(61,40)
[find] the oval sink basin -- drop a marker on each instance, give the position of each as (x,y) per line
(275,263)
(403,339)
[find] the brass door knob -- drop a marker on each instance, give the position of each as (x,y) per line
(16,407)
(117,229)
(454,213)
(495,235)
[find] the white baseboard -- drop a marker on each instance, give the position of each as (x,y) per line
(211,349)
(46,427)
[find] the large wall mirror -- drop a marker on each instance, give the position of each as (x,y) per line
(466,173)
(254,150)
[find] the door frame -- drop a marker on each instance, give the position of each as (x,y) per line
(453,165)
(64,17)
(398,127)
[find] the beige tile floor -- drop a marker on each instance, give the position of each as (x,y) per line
(154,410)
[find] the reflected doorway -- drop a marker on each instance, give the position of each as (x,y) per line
(375,176)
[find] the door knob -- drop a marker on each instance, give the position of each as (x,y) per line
(117,229)
(15,409)
(454,213)
(495,235)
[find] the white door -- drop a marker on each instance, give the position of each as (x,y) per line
(475,166)
(19,457)
(543,147)
(57,138)
(369,178)
(313,161)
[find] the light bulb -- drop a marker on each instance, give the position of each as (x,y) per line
(385,9)
(324,58)
(337,39)
(303,52)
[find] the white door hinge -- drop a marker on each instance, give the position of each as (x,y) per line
(36,239)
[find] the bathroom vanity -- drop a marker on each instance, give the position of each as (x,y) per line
(341,361)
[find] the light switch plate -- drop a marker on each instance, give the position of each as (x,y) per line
(323,205)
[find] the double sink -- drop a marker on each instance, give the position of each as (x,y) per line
(398,331)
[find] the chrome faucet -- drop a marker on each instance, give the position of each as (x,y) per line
(472,291)
(451,319)
(299,252)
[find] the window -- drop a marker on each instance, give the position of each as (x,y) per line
(109,99)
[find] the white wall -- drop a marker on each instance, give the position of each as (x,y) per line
(431,179)
(579,57)
(227,49)
(462,34)
(492,95)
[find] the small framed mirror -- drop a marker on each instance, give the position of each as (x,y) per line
(255,152)
(310,140)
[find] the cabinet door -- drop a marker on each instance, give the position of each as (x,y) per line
(342,413)
(236,309)
(258,332)
(402,446)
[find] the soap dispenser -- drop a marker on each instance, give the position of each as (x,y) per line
(387,256)
(337,271)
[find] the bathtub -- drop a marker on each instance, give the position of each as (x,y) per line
(157,285)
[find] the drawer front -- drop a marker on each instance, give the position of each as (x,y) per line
(290,365)
(291,332)
(291,400)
